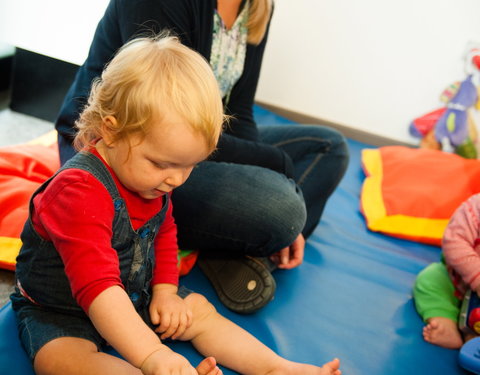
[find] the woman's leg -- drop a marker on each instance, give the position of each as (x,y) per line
(320,156)
(232,210)
(238,215)
(229,209)
(255,211)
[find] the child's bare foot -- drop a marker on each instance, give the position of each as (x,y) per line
(294,368)
(442,332)
(332,367)
(208,367)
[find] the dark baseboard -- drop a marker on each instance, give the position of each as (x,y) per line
(355,134)
(39,84)
(5,72)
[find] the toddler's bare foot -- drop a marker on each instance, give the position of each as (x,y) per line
(332,367)
(293,368)
(442,332)
(208,367)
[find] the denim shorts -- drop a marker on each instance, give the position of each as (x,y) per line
(38,325)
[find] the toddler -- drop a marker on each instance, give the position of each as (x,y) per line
(98,264)
(440,287)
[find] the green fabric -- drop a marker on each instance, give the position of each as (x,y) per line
(433,293)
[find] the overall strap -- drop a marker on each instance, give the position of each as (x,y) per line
(92,164)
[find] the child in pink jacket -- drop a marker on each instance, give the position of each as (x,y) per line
(440,287)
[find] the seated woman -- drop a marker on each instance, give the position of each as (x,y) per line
(250,207)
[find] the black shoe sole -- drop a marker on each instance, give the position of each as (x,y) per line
(243,285)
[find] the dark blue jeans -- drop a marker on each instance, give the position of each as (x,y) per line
(242,209)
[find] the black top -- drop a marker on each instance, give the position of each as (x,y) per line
(192,22)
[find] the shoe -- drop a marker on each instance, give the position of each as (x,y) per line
(244,285)
(270,264)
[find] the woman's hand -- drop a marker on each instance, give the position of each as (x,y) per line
(169,311)
(291,256)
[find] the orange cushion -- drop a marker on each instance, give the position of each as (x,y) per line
(23,168)
(411,193)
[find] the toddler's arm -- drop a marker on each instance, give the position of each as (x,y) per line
(116,320)
(169,311)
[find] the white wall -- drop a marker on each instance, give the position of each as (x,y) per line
(372,65)
(62,29)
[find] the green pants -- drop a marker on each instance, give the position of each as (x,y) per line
(433,293)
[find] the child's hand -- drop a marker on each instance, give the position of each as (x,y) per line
(169,311)
(208,367)
(165,361)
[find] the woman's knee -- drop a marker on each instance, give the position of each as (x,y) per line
(337,143)
(286,219)
(265,210)
(248,209)
(277,215)
(338,147)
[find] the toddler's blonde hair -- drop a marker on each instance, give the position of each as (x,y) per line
(148,78)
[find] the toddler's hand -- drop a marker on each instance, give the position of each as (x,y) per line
(208,367)
(169,311)
(166,361)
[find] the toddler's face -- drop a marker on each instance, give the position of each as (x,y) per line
(159,163)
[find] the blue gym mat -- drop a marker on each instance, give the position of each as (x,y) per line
(350,299)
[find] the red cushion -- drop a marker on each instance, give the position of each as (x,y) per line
(411,193)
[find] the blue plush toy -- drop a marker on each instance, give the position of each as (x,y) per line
(470,355)
(452,127)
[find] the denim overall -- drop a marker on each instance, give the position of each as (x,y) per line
(40,271)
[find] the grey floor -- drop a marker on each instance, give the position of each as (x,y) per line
(16,128)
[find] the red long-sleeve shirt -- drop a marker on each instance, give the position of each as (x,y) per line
(76,213)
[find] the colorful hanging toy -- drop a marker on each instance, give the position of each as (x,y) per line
(452,127)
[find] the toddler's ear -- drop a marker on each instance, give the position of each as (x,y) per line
(109,125)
